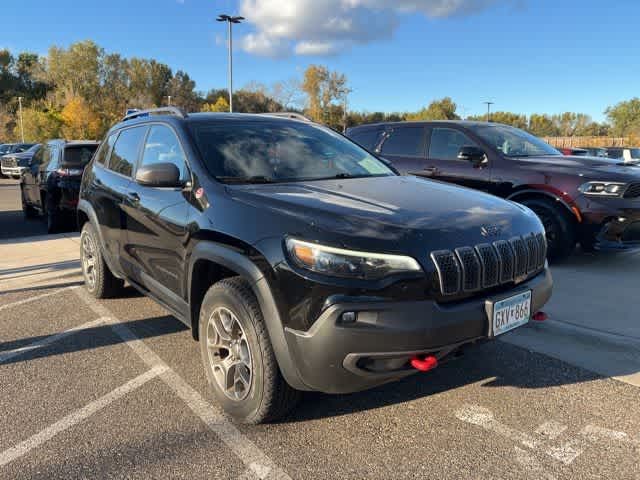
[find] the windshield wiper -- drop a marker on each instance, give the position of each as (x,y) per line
(253,179)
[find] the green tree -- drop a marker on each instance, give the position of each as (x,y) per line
(443,109)
(625,117)
(542,126)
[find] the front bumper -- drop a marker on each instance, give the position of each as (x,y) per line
(335,357)
(11,171)
(611,224)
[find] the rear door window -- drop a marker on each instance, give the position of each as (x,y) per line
(405,142)
(126,150)
(447,142)
(369,139)
(78,155)
(105,149)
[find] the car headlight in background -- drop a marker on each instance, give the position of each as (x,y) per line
(338,262)
(603,189)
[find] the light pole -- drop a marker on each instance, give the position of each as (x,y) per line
(488,104)
(168,100)
(230,21)
(20,113)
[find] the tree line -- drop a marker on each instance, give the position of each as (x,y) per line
(80,91)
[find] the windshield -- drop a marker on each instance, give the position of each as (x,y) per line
(4,149)
(78,156)
(513,142)
(34,149)
(281,152)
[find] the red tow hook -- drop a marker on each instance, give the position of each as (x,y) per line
(428,362)
(540,317)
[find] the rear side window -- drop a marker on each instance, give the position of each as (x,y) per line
(78,155)
(405,142)
(163,146)
(447,142)
(367,138)
(105,149)
(126,149)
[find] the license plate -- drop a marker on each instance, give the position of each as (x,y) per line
(511,313)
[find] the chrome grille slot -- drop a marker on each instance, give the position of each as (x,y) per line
(542,249)
(507,260)
(490,265)
(521,256)
(534,257)
(471,268)
(448,271)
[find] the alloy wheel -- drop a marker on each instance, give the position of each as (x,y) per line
(229,354)
(89,261)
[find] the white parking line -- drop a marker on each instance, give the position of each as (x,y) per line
(76,417)
(37,297)
(248,452)
(5,356)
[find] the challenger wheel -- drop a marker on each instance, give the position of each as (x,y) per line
(238,357)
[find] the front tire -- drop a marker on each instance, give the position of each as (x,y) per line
(238,356)
(559,228)
(98,279)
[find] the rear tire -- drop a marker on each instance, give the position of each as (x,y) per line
(559,228)
(98,279)
(238,356)
(28,211)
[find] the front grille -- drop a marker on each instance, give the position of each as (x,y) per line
(633,191)
(9,162)
(470,269)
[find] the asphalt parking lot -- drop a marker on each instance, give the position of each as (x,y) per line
(115,389)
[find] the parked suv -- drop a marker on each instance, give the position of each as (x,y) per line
(594,201)
(629,155)
(50,184)
(299,260)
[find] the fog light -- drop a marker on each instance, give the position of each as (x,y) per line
(349,317)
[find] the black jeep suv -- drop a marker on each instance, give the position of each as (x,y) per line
(299,260)
(593,201)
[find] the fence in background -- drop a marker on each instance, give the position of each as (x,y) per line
(568,142)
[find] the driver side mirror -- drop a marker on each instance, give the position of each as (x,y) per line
(474,155)
(164,175)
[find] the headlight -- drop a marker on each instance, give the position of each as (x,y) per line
(603,189)
(338,262)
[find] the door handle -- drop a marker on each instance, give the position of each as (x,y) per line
(133,196)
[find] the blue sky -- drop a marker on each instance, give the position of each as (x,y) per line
(525,55)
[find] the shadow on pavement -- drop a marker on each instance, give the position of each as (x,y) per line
(91,338)
(14,225)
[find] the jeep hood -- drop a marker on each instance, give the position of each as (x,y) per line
(392,209)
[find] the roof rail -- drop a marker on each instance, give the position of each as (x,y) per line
(292,115)
(155,111)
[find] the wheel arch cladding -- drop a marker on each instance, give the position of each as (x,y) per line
(209,257)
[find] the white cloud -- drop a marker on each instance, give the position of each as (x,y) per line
(326,27)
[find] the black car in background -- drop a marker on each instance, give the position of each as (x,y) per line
(299,260)
(13,164)
(594,201)
(50,184)
(8,148)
